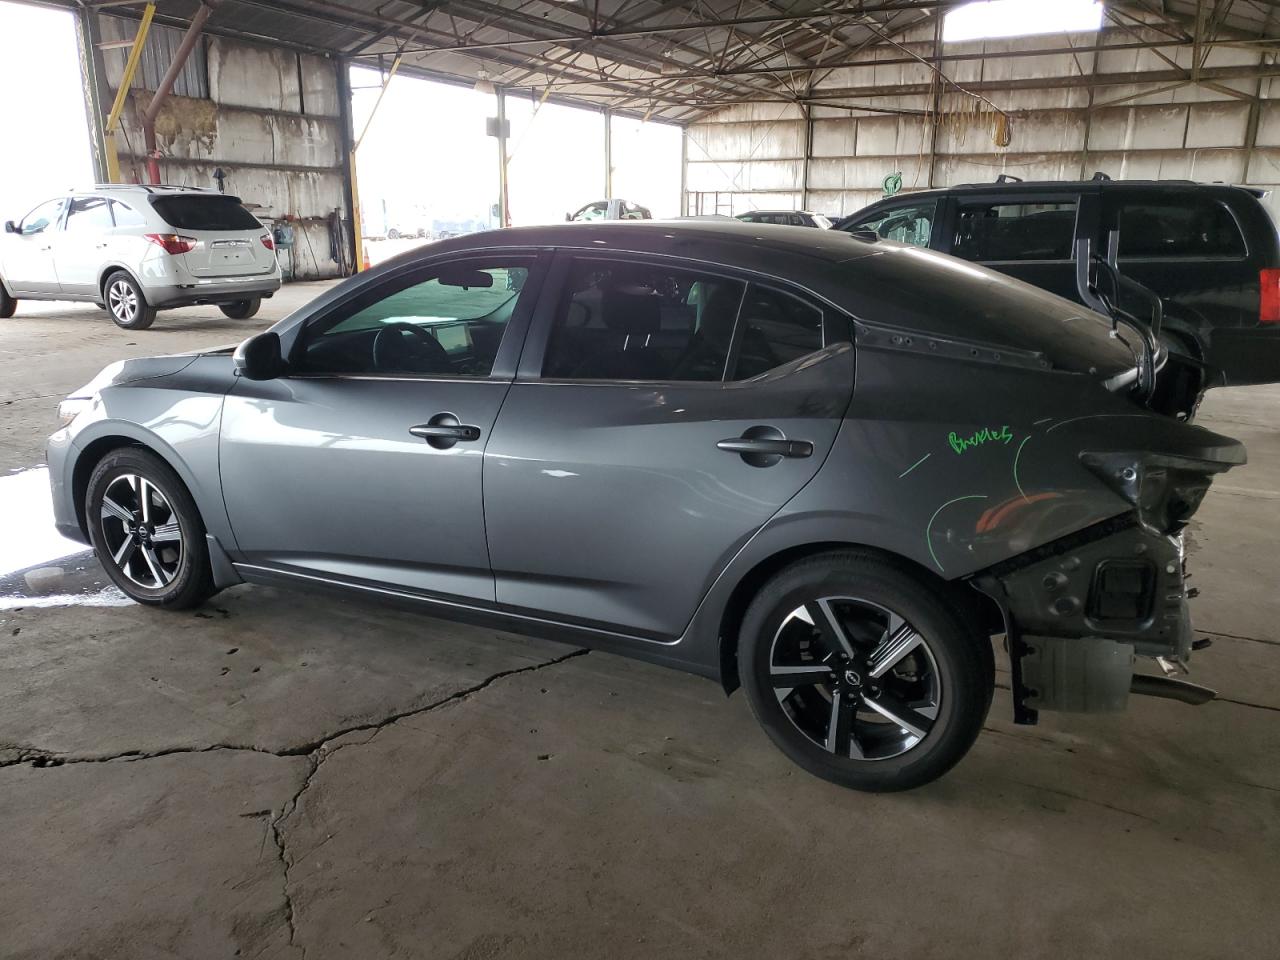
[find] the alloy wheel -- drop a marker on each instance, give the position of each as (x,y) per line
(123,301)
(855,678)
(141,530)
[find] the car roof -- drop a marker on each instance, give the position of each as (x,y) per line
(1050,186)
(807,213)
(156,189)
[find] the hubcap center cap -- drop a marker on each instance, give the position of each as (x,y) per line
(853,678)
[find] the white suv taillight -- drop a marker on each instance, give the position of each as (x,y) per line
(267,241)
(172,243)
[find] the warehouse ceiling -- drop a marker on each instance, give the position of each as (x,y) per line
(664,59)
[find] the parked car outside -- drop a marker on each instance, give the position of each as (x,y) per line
(610,210)
(1210,252)
(134,250)
(786,218)
(649,438)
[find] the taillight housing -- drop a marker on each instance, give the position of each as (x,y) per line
(172,242)
(267,242)
(1269,298)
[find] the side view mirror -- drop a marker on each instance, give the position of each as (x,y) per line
(10,227)
(258,358)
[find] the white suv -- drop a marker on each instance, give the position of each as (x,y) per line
(136,249)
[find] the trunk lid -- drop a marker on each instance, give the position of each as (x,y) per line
(227,237)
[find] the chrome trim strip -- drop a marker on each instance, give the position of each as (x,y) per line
(437,601)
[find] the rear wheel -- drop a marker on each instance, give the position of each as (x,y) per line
(862,673)
(147,531)
(241,309)
(7,304)
(127,304)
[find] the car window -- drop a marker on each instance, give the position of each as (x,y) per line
(89,215)
(796,220)
(775,328)
(126,216)
(1015,231)
(820,221)
(908,224)
(1195,227)
(593,211)
(449,323)
(631,211)
(41,218)
(620,320)
(204,211)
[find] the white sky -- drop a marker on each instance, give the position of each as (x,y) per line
(42,112)
(989,19)
(428,156)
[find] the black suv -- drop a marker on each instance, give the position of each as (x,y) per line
(1210,252)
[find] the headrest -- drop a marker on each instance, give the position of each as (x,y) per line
(630,313)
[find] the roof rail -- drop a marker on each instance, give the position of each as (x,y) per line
(1008,178)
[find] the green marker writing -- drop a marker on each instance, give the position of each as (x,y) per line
(985,435)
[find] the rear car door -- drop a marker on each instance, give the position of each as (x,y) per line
(661,415)
(28,252)
(1030,236)
(81,248)
(363,463)
(228,240)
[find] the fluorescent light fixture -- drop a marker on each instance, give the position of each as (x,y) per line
(990,19)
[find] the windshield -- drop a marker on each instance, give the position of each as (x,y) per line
(946,297)
(195,211)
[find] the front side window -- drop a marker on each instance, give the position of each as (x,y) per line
(911,224)
(449,324)
(619,320)
(1015,231)
(592,211)
(1196,228)
(41,218)
(776,328)
(89,215)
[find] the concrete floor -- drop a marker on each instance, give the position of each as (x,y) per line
(278,775)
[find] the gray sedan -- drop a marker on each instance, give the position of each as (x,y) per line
(824,469)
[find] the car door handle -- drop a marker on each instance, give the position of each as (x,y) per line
(767,447)
(445,431)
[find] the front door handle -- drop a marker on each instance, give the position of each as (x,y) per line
(767,447)
(444,430)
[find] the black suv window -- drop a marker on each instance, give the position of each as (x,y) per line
(1015,231)
(906,224)
(776,328)
(1193,227)
(620,320)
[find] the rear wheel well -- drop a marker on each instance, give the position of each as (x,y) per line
(975,606)
(106,275)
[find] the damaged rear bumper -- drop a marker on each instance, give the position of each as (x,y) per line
(1080,610)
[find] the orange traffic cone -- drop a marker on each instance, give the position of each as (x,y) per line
(365,249)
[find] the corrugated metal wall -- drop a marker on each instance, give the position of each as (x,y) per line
(753,156)
(269,118)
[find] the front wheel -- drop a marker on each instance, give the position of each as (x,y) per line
(146,530)
(862,673)
(127,304)
(242,309)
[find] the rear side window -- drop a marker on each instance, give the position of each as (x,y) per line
(1196,227)
(776,328)
(204,212)
(1015,231)
(89,215)
(910,224)
(126,216)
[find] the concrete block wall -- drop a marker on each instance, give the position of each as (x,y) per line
(272,122)
(752,156)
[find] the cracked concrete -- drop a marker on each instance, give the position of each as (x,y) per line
(283,775)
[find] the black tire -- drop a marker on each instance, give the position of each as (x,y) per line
(7,304)
(148,566)
(126,303)
(949,672)
(242,309)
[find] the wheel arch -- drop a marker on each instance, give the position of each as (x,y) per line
(970,603)
(110,268)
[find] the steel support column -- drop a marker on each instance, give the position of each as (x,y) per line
(504,213)
(93,76)
(608,152)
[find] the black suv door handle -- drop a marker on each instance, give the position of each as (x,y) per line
(443,431)
(767,447)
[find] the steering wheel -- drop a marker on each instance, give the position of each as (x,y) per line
(406,347)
